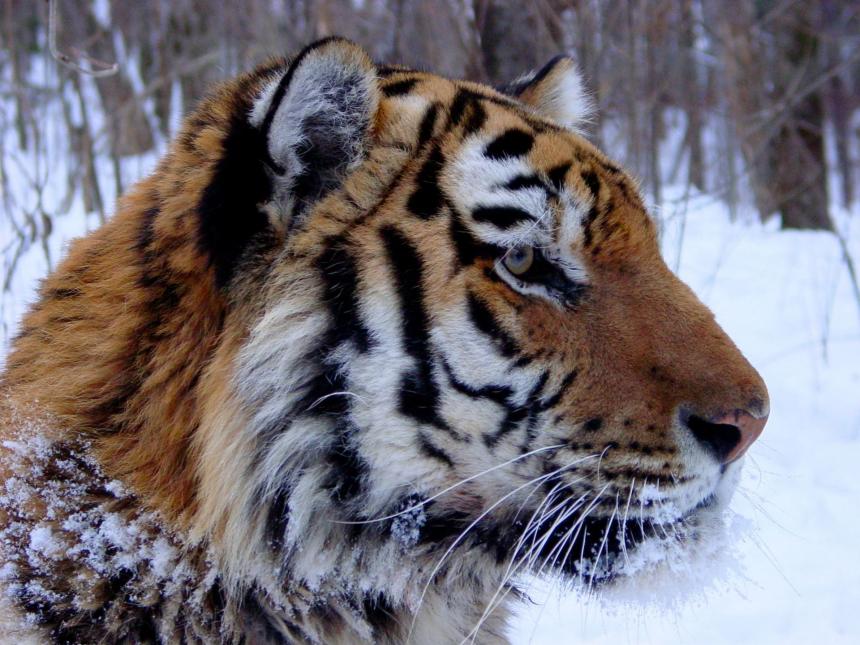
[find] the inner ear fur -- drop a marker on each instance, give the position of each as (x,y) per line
(556,91)
(316,121)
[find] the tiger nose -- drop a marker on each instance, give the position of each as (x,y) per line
(727,437)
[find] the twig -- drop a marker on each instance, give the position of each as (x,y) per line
(97,68)
(849,264)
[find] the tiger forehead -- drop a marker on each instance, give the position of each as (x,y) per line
(561,159)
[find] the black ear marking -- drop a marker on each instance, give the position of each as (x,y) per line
(281,89)
(315,122)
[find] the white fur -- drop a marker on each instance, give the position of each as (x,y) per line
(331,84)
(563,97)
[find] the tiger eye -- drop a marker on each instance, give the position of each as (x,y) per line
(519,259)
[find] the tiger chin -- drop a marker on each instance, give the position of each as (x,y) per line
(366,348)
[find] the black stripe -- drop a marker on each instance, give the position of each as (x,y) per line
(503,217)
(511,143)
(587,223)
(228,216)
(517,415)
(557,174)
(419,392)
(566,382)
(485,322)
(399,87)
(408,274)
(426,200)
(458,106)
(524,182)
(277,517)
(431,450)
(592,182)
(496,393)
(442,524)
(475,119)
(380,614)
(466,110)
(468,247)
(428,123)
(162,297)
(64,293)
(339,274)
(347,469)
(512,419)
(384,71)
(611,168)
(515,89)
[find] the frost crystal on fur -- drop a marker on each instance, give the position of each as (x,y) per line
(80,530)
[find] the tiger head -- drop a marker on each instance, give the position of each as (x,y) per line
(447,349)
(468,340)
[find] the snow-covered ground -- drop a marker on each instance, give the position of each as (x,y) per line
(786,299)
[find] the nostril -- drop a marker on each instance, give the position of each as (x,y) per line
(720,439)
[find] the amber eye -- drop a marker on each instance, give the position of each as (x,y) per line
(519,259)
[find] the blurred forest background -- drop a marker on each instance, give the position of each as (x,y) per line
(754,102)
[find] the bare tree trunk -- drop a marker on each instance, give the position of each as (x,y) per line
(800,171)
(838,102)
(655,39)
(744,83)
(589,54)
(16,53)
(692,98)
(632,91)
(507,39)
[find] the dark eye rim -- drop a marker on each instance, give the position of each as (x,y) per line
(549,275)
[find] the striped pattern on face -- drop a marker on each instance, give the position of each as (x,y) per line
(439,364)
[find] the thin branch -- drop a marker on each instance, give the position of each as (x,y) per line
(97,68)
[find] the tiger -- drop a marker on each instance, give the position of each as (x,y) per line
(368,347)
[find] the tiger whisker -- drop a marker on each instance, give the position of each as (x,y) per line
(531,530)
(532,525)
(332,394)
(624,523)
(454,486)
(747,494)
(576,505)
(493,604)
(567,541)
(603,543)
(578,525)
(535,481)
(572,538)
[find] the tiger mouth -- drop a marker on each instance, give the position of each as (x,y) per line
(595,550)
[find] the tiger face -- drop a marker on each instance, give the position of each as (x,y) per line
(507,365)
(379,338)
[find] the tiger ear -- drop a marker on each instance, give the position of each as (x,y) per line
(555,91)
(316,121)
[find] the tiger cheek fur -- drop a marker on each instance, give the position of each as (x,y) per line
(368,341)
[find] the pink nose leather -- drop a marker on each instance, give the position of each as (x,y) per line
(750,428)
